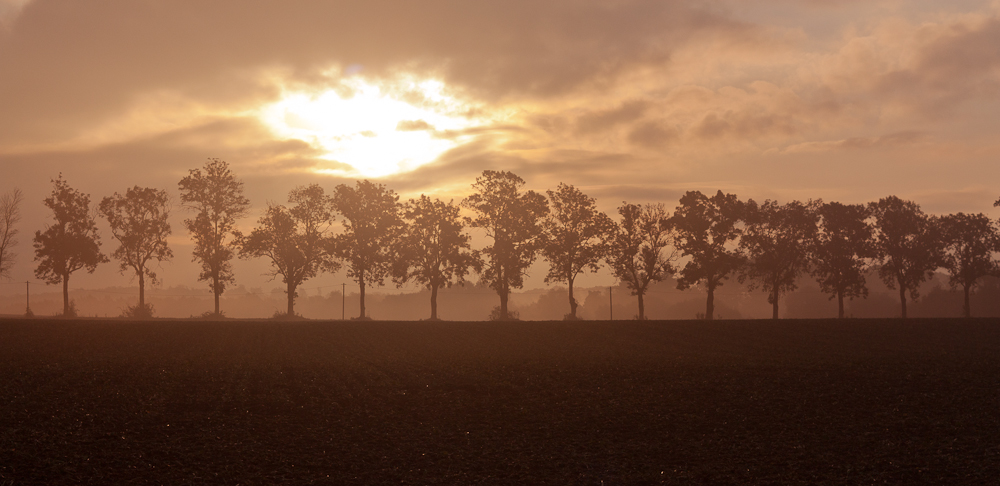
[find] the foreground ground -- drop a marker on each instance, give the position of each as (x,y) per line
(259,402)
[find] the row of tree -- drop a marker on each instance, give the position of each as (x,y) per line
(765,245)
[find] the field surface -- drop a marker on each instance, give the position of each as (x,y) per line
(670,402)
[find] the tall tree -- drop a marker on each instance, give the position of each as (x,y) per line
(10,215)
(840,251)
(708,229)
(969,243)
(294,239)
(905,245)
(216,196)
(434,249)
(576,237)
(512,219)
(775,245)
(637,250)
(71,243)
(372,226)
(139,222)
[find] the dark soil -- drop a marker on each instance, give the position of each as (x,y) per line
(676,402)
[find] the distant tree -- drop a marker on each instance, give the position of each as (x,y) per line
(707,230)
(139,222)
(512,219)
(775,245)
(216,196)
(434,249)
(10,215)
(372,226)
(969,243)
(840,250)
(576,237)
(905,245)
(71,243)
(637,248)
(294,239)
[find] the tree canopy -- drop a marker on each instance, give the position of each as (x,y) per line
(216,197)
(512,218)
(576,237)
(10,215)
(71,242)
(840,250)
(295,239)
(969,241)
(138,221)
(372,226)
(638,248)
(905,245)
(708,230)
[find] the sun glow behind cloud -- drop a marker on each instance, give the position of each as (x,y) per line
(373,131)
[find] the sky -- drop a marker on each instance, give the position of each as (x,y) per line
(629,100)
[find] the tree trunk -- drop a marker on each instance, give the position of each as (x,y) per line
(215,290)
(710,303)
(572,301)
(642,307)
(840,305)
(66,294)
(967,308)
(774,305)
(142,292)
(902,300)
(504,295)
(361,283)
(291,299)
(434,302)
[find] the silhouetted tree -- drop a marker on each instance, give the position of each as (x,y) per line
(71,243)
(295,240)
(139,222)
(576,237)
(905,246)
(217,198)
(775,245)
(511,218)
(840,249)
(433,250)
(637,248)
(372,226)
(10,215)
(707,230)
(969,242)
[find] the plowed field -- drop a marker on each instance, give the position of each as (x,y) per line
(671,402)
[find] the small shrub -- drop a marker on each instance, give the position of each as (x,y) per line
(28,313)
(495,315)
(138,311)
(365,318)
(571,317)
(699,316)
(284,316)
(71,311)
(212,315)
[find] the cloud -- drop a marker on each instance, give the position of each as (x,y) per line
(597,121)
(856,143)
(413,126)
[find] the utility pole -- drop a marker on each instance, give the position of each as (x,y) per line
(343,300)
(611,302)
(27,299)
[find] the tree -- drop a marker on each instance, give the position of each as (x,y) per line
(840,249)
(707,231)
(576,237)
(139,222)
(511,218)
(433,249)
(71,243)
(10,215)
(294,239)
(216,196)
(372,226)
(969,241)
(905,246)
(775,246)
(637,248)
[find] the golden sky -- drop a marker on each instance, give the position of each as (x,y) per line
(635,100)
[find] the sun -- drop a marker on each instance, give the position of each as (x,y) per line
(373,130)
